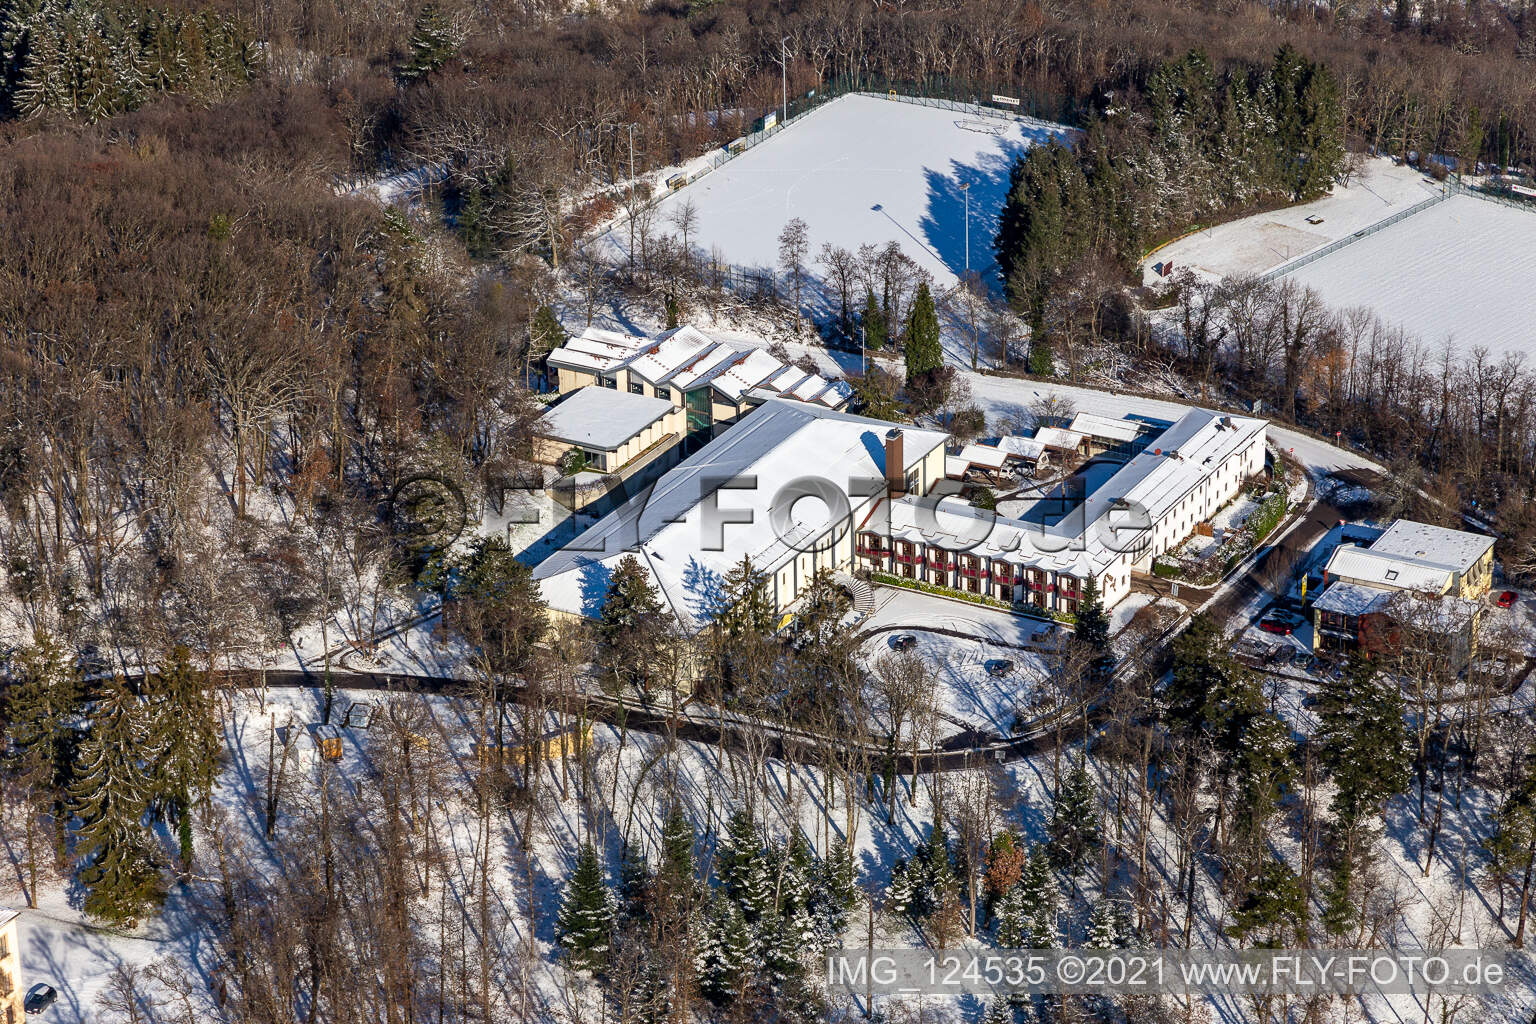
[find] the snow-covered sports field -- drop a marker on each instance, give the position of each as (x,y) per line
(1463,270)
(1263,241)
(862,170)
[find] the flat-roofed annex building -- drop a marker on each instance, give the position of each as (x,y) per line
(610,428)
(1414,574)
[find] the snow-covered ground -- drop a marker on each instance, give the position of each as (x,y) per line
(862,170)
(966,693)
(1461,271)
(1255,244)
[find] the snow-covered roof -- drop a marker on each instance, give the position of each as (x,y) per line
(1344,598)
(1100,534)
(748,373)
(597,349)
(1456,549)
(702,517)
(601,418)
(1106,428)
(1367,565)
(1175,463)
(1022,447)
(985,456)
(1057,437)
(686,358)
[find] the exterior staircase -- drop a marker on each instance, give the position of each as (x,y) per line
(863,593)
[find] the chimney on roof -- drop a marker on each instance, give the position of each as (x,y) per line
(895,464)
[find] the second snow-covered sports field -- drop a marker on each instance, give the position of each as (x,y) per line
(862,170)
(1463,270)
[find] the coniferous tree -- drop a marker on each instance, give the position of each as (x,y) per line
(1274,910)
(999,1011)
(493,602)
(1092,628)
(546,334)
(1104,926)
(835,891)
(675,871)
(632,626)
(433,43)
(873,319)
(183,736)
(1362,740)
(585,918)
(1074,826)
(922,347)
(634,885)
(110,794)
(1038,893)
(40,704)
(743,870)
(1013,926)
(724,950)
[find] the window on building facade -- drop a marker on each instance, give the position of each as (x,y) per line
(636,388)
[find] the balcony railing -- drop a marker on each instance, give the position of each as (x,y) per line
(973,572)
(937,563)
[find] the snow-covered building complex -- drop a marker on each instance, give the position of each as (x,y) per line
(1145,508)
(714,382)
(1412,573)
(799,489)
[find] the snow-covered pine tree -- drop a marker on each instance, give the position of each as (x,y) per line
(797,871)
(1039,897)
(433,41)
(675,872)
(634,884)
(1074,827)
(109,794)
(40,703)
(1012,923)
(1104,926)
(726,950)
(742,867)
(999,1011)
(901,894)
(835,892)
(585,918)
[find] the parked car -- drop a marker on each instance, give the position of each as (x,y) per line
(1507,599)
(1280,622)
(999,667)
(903,642)
(39,998)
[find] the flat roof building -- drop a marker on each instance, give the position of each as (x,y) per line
(1414,574)
(610,428)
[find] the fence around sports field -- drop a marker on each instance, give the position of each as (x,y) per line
(1305,259)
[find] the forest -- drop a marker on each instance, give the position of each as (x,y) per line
(221,361)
